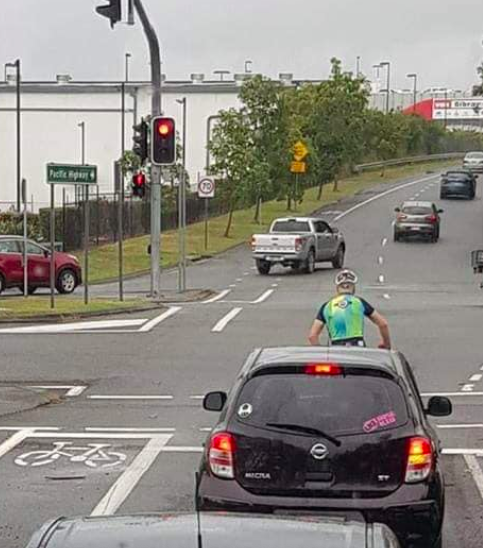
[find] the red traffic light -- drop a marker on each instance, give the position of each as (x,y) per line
(139,179)
(165,127)
(163,142)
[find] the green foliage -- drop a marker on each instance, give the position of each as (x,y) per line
(12,224)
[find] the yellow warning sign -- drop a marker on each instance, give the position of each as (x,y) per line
(300,151)
(298,167)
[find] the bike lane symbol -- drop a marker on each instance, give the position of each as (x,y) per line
(93,455)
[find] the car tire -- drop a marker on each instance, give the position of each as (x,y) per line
(439,542)
(3,284)
(338,260)
(66,281)
(263,267)
(397,237)
(310,262)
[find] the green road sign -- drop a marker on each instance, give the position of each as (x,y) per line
(66,174)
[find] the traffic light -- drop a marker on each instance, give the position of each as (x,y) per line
(163,141)
(140,139)
(112,11)
(138,184)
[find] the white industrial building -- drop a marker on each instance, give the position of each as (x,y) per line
(52,111)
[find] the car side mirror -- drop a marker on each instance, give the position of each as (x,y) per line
(397,209)
(214,401)
(46,253)
(438,406)
(440,210)
(334,229)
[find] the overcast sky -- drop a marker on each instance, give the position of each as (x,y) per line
(441,40)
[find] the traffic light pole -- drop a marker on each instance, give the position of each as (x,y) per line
(155,55)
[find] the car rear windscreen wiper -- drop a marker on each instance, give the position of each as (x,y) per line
(304,430)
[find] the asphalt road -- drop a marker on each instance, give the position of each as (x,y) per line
(134,388)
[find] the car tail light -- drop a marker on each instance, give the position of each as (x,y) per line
(420,460)
(253,243)
(431,218)
(299,243)
(328,369)
(221,455)
(401,217)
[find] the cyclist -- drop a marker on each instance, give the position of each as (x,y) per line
(344,316)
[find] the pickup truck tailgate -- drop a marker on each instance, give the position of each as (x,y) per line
(270,243)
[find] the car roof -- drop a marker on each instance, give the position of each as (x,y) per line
(297,219)
(417,204)
(364,358)
(218,530)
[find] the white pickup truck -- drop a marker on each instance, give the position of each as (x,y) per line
(298,242)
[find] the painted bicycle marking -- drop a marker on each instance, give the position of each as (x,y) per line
(94,455)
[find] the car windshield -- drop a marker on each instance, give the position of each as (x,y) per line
(337,405)
(291,226)
(416,210)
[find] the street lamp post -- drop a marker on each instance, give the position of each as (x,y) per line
(248,62)
(182,208)
(387,64)
(82,126)
(17,65)
(127,57)
(415,84)
(358,66)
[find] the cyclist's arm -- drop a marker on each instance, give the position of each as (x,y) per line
(383,326)
(315,331)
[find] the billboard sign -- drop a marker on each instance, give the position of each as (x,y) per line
(458,109)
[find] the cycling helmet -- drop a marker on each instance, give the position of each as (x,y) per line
(346,276)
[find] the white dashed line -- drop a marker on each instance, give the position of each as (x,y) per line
(239,279)
(450,426)
(264,296)
(197,397)
(226,320)
(155,321)
(126,397)
(112,429)
(476,472)
(476,378)
(387,296)
(384,242)
(380,260)
(451,394)
(220,295)
(381,279)
(467,388)
(246,273)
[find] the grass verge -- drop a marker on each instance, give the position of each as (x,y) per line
(104,260)
(19,307)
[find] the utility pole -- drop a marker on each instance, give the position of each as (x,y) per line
(155,55)
(415,79)
(82,126)
(17,66)
(182,209)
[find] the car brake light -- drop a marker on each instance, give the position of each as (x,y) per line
(298,244)
(431,218)
(420,460)
(221,455)
(253,242)
(323,369)
(401,217)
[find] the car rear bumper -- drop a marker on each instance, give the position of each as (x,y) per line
(282,257)
(415,229)
(474,167)
(408,511)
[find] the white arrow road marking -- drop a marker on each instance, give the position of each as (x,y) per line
(155,321)
(226,320)
(467,387)
(125,484)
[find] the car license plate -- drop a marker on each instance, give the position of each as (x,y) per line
(274,259)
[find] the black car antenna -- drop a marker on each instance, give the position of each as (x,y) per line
(197,509)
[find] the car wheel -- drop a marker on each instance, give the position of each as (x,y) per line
(338,260)
(397,237)
(439,542)
(310,262)
(66,281)
(3,285)
(32,289)
(263,267)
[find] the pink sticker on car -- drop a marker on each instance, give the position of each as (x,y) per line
(379,422)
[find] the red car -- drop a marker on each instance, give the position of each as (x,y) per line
(68,273)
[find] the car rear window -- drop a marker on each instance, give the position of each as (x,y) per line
(291,226)
(457,177)
(342,404)
(475,155)
(416,210)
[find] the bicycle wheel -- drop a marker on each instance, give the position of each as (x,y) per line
(105,459)
(37,458)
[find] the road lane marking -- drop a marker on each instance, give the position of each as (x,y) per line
(128,480)
(274,285)
(221,324)
(239,280)
(156,321)
(458,451)
(72,390)
(126,397)
(93,435)
(380,260)
(467,388)
(220,295)
(384,242)
(381,279)
(381,195)
(16,428)
(451,394)
(476,472)
(71,327)
(14,440)
(459,426)
(197,397)
(264,296)
(476,378)
(387,296)
(114,429)
(181,449)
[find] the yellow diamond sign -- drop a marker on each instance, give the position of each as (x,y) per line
(300,151)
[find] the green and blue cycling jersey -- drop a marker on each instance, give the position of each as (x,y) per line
(344,317)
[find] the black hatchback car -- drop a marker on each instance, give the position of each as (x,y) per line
(329,429)
(458,184)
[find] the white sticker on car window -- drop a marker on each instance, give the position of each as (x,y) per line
(245,410)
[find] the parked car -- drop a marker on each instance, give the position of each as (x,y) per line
(458,184)
(474,161)
(217,531)
(298,242)
(417,219)
(68,273)
(335,428)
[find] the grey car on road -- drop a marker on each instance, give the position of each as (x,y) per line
(417,219)
(474,161)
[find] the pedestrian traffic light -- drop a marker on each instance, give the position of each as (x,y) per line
(163,141)
(140,139)
(112,11)
(138,184)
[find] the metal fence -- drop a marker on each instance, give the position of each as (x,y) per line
(409,160)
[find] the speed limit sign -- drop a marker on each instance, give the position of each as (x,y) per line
(206,187)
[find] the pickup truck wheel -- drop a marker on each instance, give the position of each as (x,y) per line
(310,262)
(3,285)
(263,267)
(338,260)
